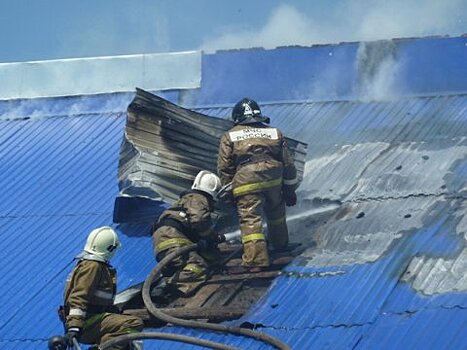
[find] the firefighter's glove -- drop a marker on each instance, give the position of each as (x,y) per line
(72,332)
(290,198)
(225,195)
(209,250)
(210,243)
(203,245)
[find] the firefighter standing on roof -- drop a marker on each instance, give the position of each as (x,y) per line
(186,222)
(254,157)
(90,291)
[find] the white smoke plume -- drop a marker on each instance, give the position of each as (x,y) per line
(357,20)
(377,69)
(286,26)
(352,21)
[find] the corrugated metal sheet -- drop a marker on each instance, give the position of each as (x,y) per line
(164,147)
(382,211)
(426,329)
(365,260)
(326,124)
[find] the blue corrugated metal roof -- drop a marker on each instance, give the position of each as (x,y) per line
(402,165)
(59,181)
(389,265)
(426,329)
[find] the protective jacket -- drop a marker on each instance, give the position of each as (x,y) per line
(186,222)
(255,157)
(190,216)
(90,290)
(89,296)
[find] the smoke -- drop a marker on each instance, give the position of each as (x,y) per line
(34,109)
(373,23)
(358,20)
(286,26)
(377,69)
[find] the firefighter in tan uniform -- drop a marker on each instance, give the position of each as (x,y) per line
(254,158)
(186,222)
(89,294)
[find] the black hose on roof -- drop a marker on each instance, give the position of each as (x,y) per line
(165,336)
(156,273)
(123,339)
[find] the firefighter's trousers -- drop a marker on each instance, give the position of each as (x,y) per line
(251,208)
(187,272)
(100,328)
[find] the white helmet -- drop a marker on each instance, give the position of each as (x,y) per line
(103,242)
(207,182)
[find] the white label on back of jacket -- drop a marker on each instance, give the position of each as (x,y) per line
(253,133)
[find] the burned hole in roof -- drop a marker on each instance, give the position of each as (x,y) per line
(224,296)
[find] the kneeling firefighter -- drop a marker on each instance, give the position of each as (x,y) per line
(88,312)
(254,158)
(186,222)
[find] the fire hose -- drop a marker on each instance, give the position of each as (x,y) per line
(156,273)
(165,336)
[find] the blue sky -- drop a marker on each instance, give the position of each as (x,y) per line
(52,29)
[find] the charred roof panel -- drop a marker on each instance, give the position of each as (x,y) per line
(163,149)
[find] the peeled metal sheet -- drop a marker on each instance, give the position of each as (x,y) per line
(163,148)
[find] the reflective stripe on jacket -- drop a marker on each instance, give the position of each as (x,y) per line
(90,289)
(255,157)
